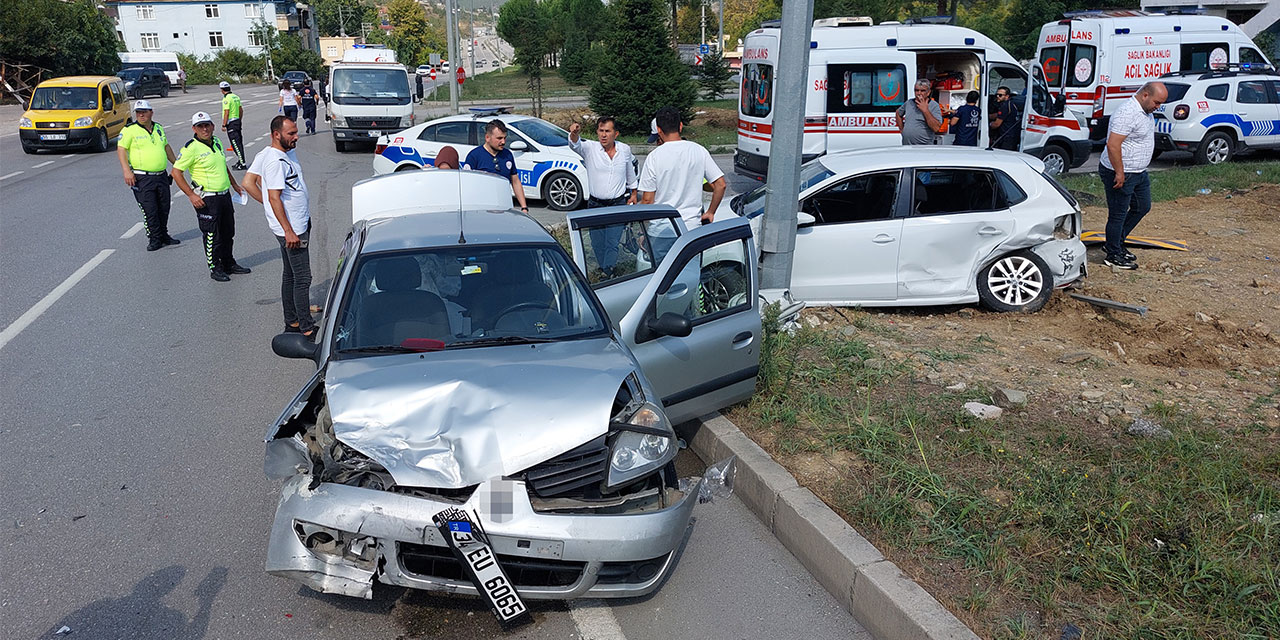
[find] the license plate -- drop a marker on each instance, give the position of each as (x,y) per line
(374,134)
(53,136)
(469,545)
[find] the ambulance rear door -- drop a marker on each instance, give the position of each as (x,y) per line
(864,88)
(755,103)
(1001,74)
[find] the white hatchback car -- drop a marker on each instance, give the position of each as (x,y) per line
(1218,113)
(907,226)
(548,169)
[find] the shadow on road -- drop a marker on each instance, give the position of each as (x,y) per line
(142,615)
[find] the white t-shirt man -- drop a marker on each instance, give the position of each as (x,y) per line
(1139,128)
(674,172)
(280,170)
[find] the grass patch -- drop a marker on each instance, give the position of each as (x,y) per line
(728,103)
(1181,182)
(1124,537)
(511,84)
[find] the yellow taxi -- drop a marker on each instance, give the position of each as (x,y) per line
(75,111)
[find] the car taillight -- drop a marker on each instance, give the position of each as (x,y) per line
(1099,100)
(1181,112)
(377,150)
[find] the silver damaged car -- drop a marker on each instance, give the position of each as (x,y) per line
(465,363)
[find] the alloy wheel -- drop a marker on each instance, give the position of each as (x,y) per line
(563,192)
(1015,280)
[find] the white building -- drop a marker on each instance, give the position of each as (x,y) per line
(205,27)
(1253,16)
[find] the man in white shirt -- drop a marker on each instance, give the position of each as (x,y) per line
(275,180)
(611,170)
(674,173)
(1131,141)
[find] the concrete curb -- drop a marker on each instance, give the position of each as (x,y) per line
(883,599)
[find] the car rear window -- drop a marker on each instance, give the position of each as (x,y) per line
(1216,92)
(1176,91)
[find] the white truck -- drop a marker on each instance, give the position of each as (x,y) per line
(860,73)
(1098,59)
(368,95)
(165,61)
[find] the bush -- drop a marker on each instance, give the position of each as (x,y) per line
(640,73)
(67,38)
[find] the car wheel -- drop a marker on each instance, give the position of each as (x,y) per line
(100,141)
(562,192)
(721,287)
(1056,160)
(164,90)
(1018,282)
(408,167)
(1216,148)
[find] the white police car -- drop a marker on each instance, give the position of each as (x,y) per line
(548,169)
(1218,113)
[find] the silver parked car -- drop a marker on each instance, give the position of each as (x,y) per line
(466,365)
(905,226)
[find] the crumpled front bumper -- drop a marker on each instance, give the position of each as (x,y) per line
(590,555)
(1066,259)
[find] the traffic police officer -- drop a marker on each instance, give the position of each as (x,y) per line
(145,155)
(210,194)
(232,111)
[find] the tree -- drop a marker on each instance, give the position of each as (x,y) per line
(67,38)
(524,24)
(333,15)
(639,72)
(583,21)
(714,76)
(412,37)
(289,54)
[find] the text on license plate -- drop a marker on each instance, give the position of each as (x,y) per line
(374,134)
(53,136)
(490,578)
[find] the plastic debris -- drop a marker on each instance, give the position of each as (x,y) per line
(717,481)
(1204,192)
(62,631)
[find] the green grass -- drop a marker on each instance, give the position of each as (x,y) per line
(727,103)
(510,84)
(1180,182)
(1125,537)
(705,135)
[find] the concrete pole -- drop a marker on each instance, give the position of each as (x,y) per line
(720,42)
(782,191)
(451,28)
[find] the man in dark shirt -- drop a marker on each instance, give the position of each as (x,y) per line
(494,158)
(309,97)
(1006,128)
(966,121)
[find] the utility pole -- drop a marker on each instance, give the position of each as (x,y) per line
(720,45)
(451,34)
(704,24)
(782,191)
(342,22)
(471,42)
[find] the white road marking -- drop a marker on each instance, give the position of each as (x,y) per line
(133,231)
(34,312)
(43,164)
(10,175)
(69,155)
(595,620)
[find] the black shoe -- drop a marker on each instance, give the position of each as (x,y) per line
(1120,263)
(240,166)
(219,275)
(1130,257)
(171,240)
(155,245)
(236,269)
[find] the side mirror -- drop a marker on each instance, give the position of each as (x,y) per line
(670,324)
(1059,105)
(805,219)
(519,145)
(294,345)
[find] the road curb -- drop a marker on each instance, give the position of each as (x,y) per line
(883,599)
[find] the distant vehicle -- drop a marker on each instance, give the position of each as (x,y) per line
(1098,59)
(424,70)
(168,62)
(76,111)
(296,78)
(368,98)
(1215,114)
(444,66)
(143,81)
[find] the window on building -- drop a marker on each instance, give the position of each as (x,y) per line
(253,11)
(256,39)
(215,39)
(331,52)
(150,41)
(211,11)
(146,12)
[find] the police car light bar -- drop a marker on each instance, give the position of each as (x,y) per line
(484,112)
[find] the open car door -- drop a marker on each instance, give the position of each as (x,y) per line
(695,325)
(619,248)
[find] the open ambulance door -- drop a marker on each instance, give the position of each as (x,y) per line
(1001,74)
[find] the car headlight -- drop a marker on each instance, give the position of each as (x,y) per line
(128,84)
(642,445)
(25,123)
(339,121)
(86,121)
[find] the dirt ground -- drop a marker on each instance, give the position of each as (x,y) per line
(1209,342)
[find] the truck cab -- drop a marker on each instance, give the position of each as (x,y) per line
(368,94)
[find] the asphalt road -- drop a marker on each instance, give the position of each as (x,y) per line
(136,392)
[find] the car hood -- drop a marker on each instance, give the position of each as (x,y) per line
(451,419)
(58,115)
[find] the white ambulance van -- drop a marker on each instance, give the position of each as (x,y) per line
(860,73)
(1098,59)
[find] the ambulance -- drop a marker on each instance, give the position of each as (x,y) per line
(1098,59)
(860,73)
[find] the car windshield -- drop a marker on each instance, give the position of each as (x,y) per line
(65,98)
(370,86)
(543,132)
(129,74)
(464,296)
(751,204)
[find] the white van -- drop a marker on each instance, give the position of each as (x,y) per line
(164,60)
(1098,59)
(859,74)
(368,95)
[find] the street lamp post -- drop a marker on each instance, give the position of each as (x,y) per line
(451,34)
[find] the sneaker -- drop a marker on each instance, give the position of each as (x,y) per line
(240,166)
(1120,263)
(219,275)
(155,245)
(236,269)
(171,240)
(1130,257)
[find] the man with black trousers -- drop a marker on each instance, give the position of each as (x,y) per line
(210,194)
(308,97)
(232,112)
(145,155)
